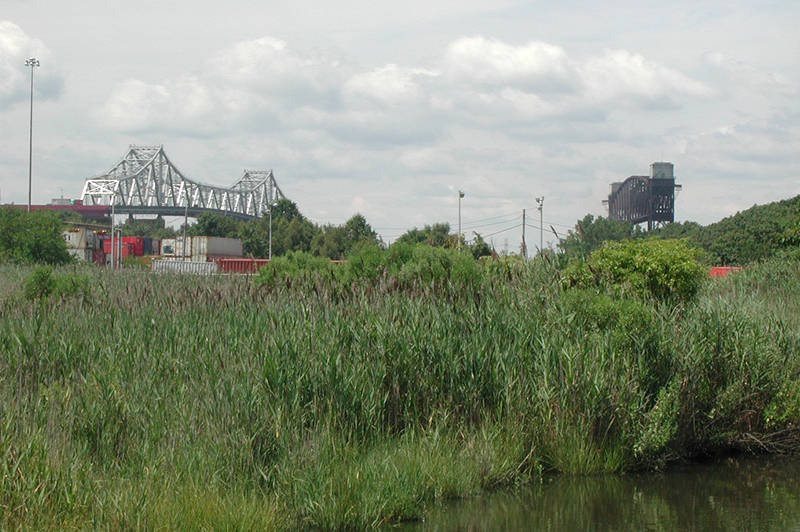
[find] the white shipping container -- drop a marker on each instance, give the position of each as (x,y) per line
(185,267)
(81,242)
(170,247)
(205,247)
(83,255)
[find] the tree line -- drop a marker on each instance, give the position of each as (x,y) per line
(758,233)
(749,236)
(293,232)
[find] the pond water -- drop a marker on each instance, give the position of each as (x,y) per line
(740,493)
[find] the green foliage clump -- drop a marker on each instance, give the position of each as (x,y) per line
(749,236)
(296,267)
(662,269)
(43,283)
(590,233)
(438,267)
(31,237)
(411,267)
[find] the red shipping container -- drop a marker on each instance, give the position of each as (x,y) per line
(128,249)
(722,271)
(137,242)
(237,265)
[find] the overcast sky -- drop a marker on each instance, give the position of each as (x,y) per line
(389,108)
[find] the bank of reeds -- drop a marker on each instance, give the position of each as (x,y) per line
(163,402)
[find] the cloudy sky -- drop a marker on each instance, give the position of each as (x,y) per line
(389,108)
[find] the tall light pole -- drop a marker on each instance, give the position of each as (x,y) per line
(460,195)
(32,62)
(540,201)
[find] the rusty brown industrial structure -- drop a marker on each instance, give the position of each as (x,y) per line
(645,199)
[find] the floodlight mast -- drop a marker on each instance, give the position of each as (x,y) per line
(32,62)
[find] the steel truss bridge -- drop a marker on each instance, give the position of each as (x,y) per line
(146,182)
(641,199)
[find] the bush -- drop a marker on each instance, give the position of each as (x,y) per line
(662,269)
(31,237)
(439,267)
(43,283)
(294,267)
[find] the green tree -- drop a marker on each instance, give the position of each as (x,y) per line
(331,242)
(287,209)
(31,237)
(590,233)
(146,228)
(437,234)
(479,248)
(211,224)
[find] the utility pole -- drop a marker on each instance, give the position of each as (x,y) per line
(524,245)
(460,195)
(540,201)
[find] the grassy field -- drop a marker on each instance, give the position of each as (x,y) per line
(131,401)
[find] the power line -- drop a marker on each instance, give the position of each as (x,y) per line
(488,225)
(501,231)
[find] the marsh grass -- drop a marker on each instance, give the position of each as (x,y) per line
(164,402)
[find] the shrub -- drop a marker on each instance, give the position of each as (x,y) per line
(662,269)
(31,237)
(294,267)
(43,283)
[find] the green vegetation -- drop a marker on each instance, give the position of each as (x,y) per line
(342,396)
(31,237)
(663,269)
(44,284)
(755,234)
(291,232)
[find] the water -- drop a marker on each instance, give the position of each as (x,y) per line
(733,494)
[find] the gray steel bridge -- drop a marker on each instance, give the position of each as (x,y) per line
(641,199)
(146,182)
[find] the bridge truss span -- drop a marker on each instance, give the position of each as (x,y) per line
(649,199)
(145,181)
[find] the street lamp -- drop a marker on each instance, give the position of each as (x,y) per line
(460,195)
(540,201)
(32,62)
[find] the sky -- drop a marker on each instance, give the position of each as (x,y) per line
(388,109)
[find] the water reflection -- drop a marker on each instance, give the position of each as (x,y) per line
(734,494)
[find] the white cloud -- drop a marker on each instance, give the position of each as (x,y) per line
(748,75)
(183,106)
(15,47)
(261,84)
(619,75)
(536,66)
(389,85)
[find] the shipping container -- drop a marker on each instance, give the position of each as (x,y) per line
(137,242)
(98,256)
(201,248)
(184,266)
(126,249)
(81,243)
(83,255)
(722,271)
(204,248)
(238,265)
(151,246)
(168,247)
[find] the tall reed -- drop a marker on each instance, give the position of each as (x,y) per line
(169,402)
